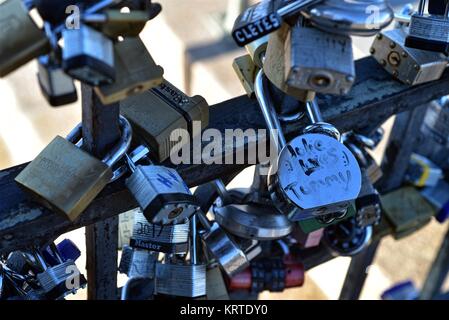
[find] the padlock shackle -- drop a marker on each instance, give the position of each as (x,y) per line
(313,111)
(421,6)
(268,111)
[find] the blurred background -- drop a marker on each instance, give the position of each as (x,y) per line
(190,40)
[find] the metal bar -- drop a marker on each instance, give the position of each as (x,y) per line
(101,130)
(357,273)
(438,271)
(374,98)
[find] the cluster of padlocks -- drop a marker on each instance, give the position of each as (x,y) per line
(320,192)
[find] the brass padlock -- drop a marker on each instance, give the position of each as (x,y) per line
(66,179)
(20,38)
(160,111)
(301,59)
(135,70)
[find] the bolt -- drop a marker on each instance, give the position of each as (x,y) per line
(372,51)
(404,54)
(392,45)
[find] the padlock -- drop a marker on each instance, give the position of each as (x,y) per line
(56,86)
(301,59)
(54,280)
(246,71)
(135,69)
(404,290)
(368,203)
(215,284)
(408,65)
(422,172)
(172,239)
(66,179)
(125,227)
(161,193)
(438,196)
(160,112)
(68,250)
(406,211)
(264,18)
(347,238)
(427,31)
(351,17)
(88,56)
(224,250)
(252,221)
(138,263)
(21,39)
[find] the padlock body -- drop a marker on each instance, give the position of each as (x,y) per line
(168,239)
(162,111)
(88,56)
(138,263)
(315,175)
(135,69)
(56,86)
(429,33)
(20,38)
(162,194)
(408,65)
(183,280)
(65,178)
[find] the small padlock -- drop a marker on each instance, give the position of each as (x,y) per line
(172,239)
(422,172)
(161,193)
(225,251)
(66,179)
(138,263)
(408,65)
(135,69)
(301,59)
(347,238)
(351,17)
(21,39)
(429,32)
(56,86)
(438,196)
(159,112)
(88,56)
(368,203)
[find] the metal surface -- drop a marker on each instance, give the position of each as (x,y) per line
(138,263)
(182,280)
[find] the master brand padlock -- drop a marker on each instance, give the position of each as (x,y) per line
(88,55)
(66,179)
(135,70)
(20,38)
(170,239)
(429,31)
(301,59)
(138,263)
(408,65)
(158,113)
(57,87)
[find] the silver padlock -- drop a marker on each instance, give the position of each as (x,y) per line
(161,193)
(138,263)
(301,58)
(408,65)
(429,31)
(88,55)
(351,17)
(224,250)
(172,238)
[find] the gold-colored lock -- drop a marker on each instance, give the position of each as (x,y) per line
(159,112)
(20,38)
(136,72)
(66,179)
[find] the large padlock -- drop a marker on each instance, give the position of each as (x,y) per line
(162,112)
(57,87)
(301,59)
(264,18)
(135,69)
(66,179)
(351,17)
(88,55)
(223,249)
(429,31)
(21,39)
(172,239)
(408,65)
(161,193)
(138,263)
